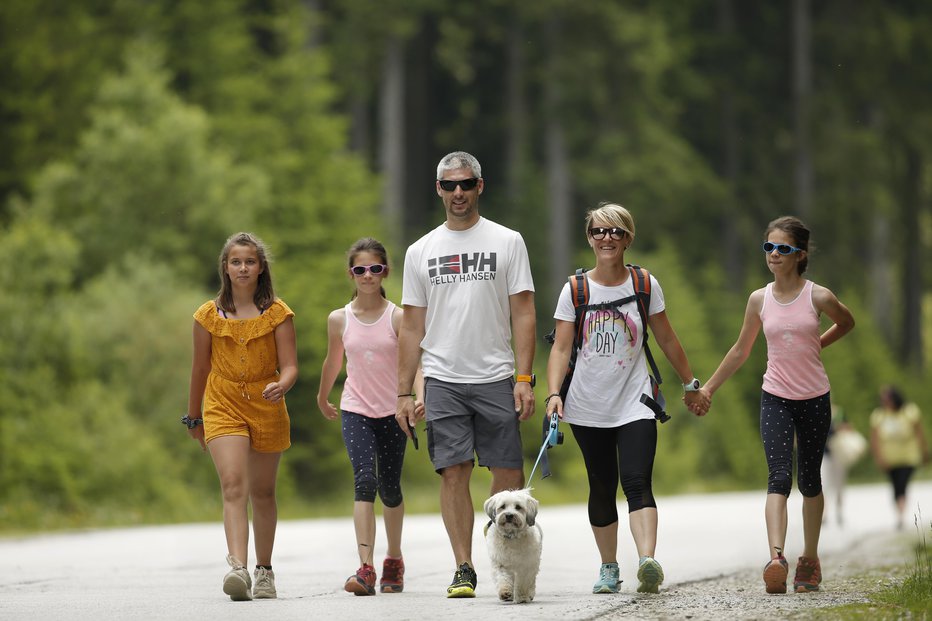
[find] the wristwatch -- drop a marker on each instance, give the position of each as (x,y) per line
(530,379)
(191,423)
(692,385)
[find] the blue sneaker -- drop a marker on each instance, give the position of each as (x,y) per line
(650,575)
(608,581)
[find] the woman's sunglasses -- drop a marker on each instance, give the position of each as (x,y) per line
(781,248)
(374,269)
(599,232)
(449,185)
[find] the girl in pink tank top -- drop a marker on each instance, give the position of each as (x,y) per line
(795,404)
(366,331)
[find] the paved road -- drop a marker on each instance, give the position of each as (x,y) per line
(174,572)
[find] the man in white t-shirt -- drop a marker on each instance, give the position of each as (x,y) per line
(467,291)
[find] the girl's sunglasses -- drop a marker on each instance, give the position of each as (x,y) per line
(374,269)
(599,232)
(449,185)
(781,248)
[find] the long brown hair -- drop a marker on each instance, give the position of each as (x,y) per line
(265,294)
(367,244)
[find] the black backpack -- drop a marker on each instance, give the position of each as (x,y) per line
(579,292)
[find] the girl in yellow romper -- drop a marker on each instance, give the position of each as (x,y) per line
(245,360)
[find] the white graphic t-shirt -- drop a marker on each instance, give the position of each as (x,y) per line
(611,367)
(465,278)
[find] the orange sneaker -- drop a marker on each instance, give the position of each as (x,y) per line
(808,575)
(775,573)
(393,576)
(362,582)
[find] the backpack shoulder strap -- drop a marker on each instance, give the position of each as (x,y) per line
(641,280)
(579,293)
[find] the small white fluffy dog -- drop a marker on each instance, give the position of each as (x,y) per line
(514,543)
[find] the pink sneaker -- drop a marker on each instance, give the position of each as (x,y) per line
(775,573)
(808,575)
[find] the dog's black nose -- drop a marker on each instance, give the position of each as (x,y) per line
(509,517)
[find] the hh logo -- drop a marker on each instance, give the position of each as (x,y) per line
(462,264)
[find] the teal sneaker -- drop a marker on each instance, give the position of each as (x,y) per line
(608,581)
(464,582)
(650,575)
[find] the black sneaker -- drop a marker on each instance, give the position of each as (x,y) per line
(464,582)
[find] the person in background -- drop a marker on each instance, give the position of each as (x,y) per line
(898,443)
(468,295)
(795,405)
(245,360)
(843,448)
(366,331)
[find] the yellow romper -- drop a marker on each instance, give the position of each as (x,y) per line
(243,360)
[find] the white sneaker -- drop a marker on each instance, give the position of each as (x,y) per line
(265,584)
(237,583)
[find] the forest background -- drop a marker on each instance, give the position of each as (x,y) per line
(135,136)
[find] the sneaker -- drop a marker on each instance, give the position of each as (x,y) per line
(808,575)
(362,582)
(393,576)
(264,584)
(237,583)
(775,573)
(464,582)
(608,582)
(650,575)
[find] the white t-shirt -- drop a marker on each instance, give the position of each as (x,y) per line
(465,278)
(611,367)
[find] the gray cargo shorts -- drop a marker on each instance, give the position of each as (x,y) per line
(467,419)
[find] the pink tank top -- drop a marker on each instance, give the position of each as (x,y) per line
(794,350)
(371,365)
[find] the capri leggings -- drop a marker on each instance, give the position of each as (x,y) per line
(809,420)
(900,476)
(375,443)
(628,450)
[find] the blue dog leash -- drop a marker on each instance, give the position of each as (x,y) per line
(552,437)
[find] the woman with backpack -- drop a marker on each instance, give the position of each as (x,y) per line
(795,405)
(610,404)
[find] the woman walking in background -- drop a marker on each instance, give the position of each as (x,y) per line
(245,360)
(366,330)
(795,403)
(898,443)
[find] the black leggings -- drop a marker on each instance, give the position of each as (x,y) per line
(782,419)
(629,450)
(371,440)
(900,476)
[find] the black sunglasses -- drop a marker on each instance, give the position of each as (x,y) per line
(449,185)
(375,269)
(599,232)
(781,248)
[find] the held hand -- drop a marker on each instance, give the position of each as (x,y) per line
(273,392)
(329,411)
(697,402)
(524,400)
(405,414)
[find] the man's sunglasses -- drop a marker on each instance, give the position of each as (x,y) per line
(374,269)
(449,185)
(599,232)
(781,248)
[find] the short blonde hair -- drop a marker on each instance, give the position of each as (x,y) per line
(614,214)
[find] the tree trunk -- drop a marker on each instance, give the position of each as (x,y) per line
(516,109)
(802,95)
(391,145)
(732,242)
(911,346)
(558,172)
